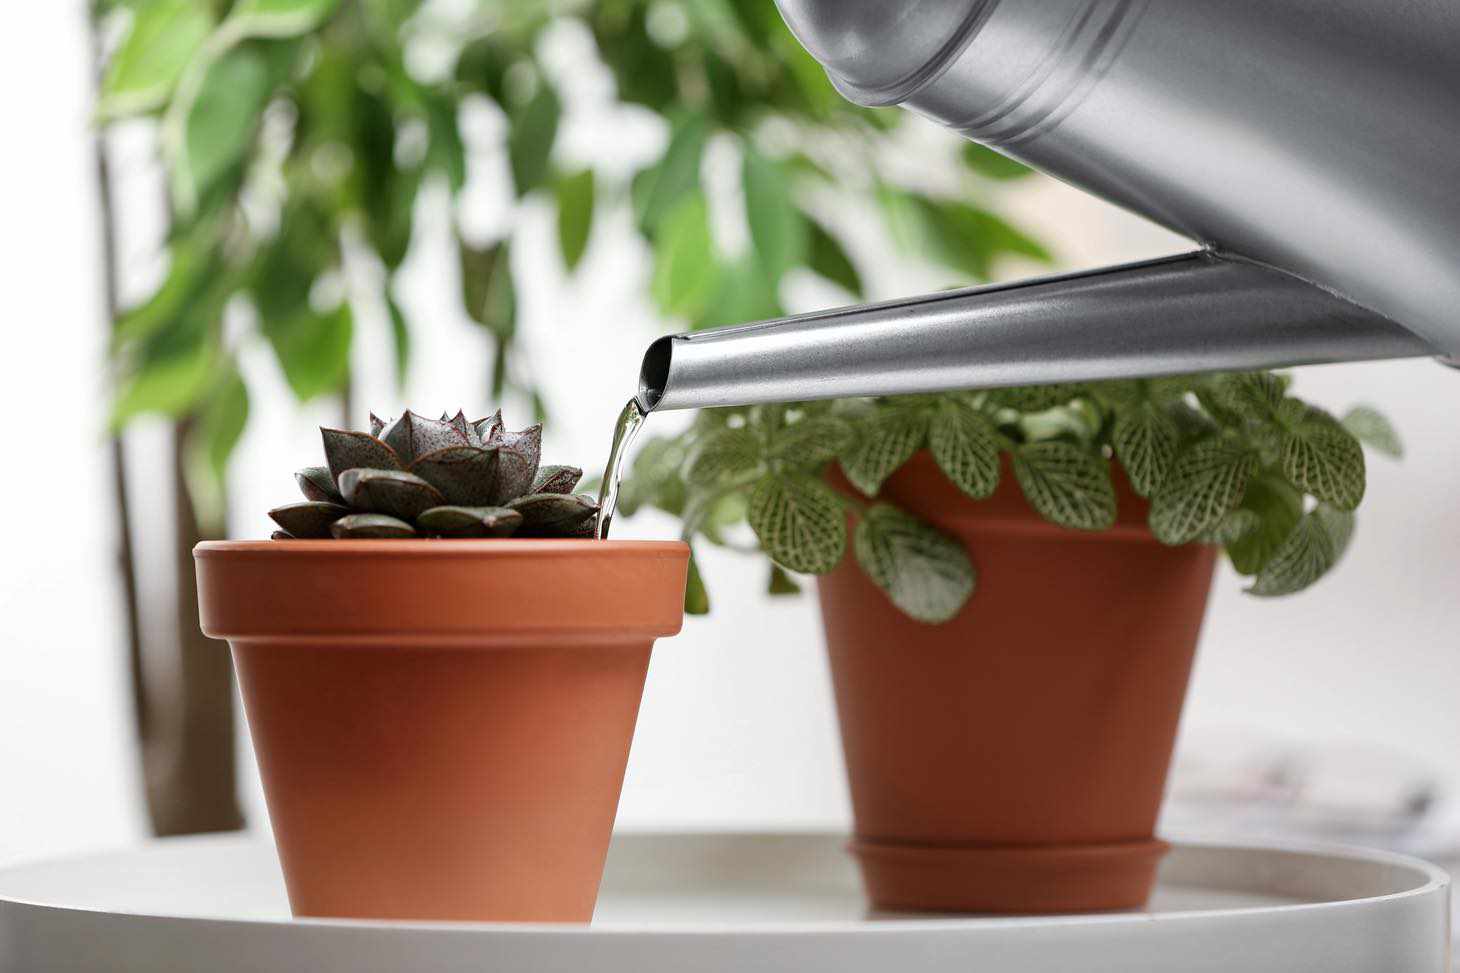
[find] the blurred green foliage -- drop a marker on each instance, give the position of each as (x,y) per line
(295,131)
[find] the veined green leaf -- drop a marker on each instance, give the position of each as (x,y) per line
(1310,550)
(1145,440)
(534,129)
(277,18)
(1249,395)
(1034,398)
(926,574)
(884,442)
(1207,480)
(992,165)
(777,228)
(724,454)
(575,215)
(1320,457)
(965,446)
(164,36)
(686,271)
(1278,508)
(811,442)
(1372,429)
(826,257)
(800,523)
(1066,484)
(659,190)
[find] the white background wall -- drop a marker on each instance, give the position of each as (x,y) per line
(737,728)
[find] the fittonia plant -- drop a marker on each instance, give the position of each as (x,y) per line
(447,477)
(1228,459)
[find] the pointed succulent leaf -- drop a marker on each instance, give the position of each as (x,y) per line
(1278,507)
(812,442)
(966,448)
(1372,429)
(519,453)
(309,518)
(346,450)
(281,535)
(377,425)
(553,514)
(466,475)
(926,574)
(885,442)
(1309,551)
(395,492)
(1207,480)
(1145,440)
(316,483)
(413,436)
(724,454)
(800,522)
(461,425)
(1066,484)
(1321,457)
(469,521)
(370,526)
(556,479)
(490,428)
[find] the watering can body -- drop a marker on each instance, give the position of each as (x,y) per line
(1310,147)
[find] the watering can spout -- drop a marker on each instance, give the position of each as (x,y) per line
(1311,150)
(1191,313)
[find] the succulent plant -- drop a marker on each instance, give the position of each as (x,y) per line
(447,477)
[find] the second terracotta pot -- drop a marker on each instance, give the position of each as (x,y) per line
(442,726)
(1014,758)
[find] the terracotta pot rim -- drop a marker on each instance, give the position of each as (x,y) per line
(495,547)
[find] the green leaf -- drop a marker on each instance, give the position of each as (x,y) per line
(218,125)
(1066,484)
(1309,551)
(926,574)
(534,128)
(575,215)
(800,523)
(1145,440)
(696,596)
(965,446)
(164,36)
(777,228)
(487,287)
(723,455)
(1207,480)
(1320,457)
(992,165)
(884,442)
(313,349)
(1249,395)
(742,293)
(970,239)
(1278,508)
(400,334)
(781,583)
(223,419)
(169,385)
(826,257)
(1372,429)
(685,269)
(1034,398)
(811,442)
(277,18)
(444,148)
(655,478)
(660,189)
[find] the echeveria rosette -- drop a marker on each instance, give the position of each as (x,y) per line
(447,477)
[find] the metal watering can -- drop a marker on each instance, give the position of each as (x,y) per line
(1311,147)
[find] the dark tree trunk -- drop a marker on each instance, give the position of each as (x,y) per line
(185,727)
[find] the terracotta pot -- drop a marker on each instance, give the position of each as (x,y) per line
(442,726)
(1014,759)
